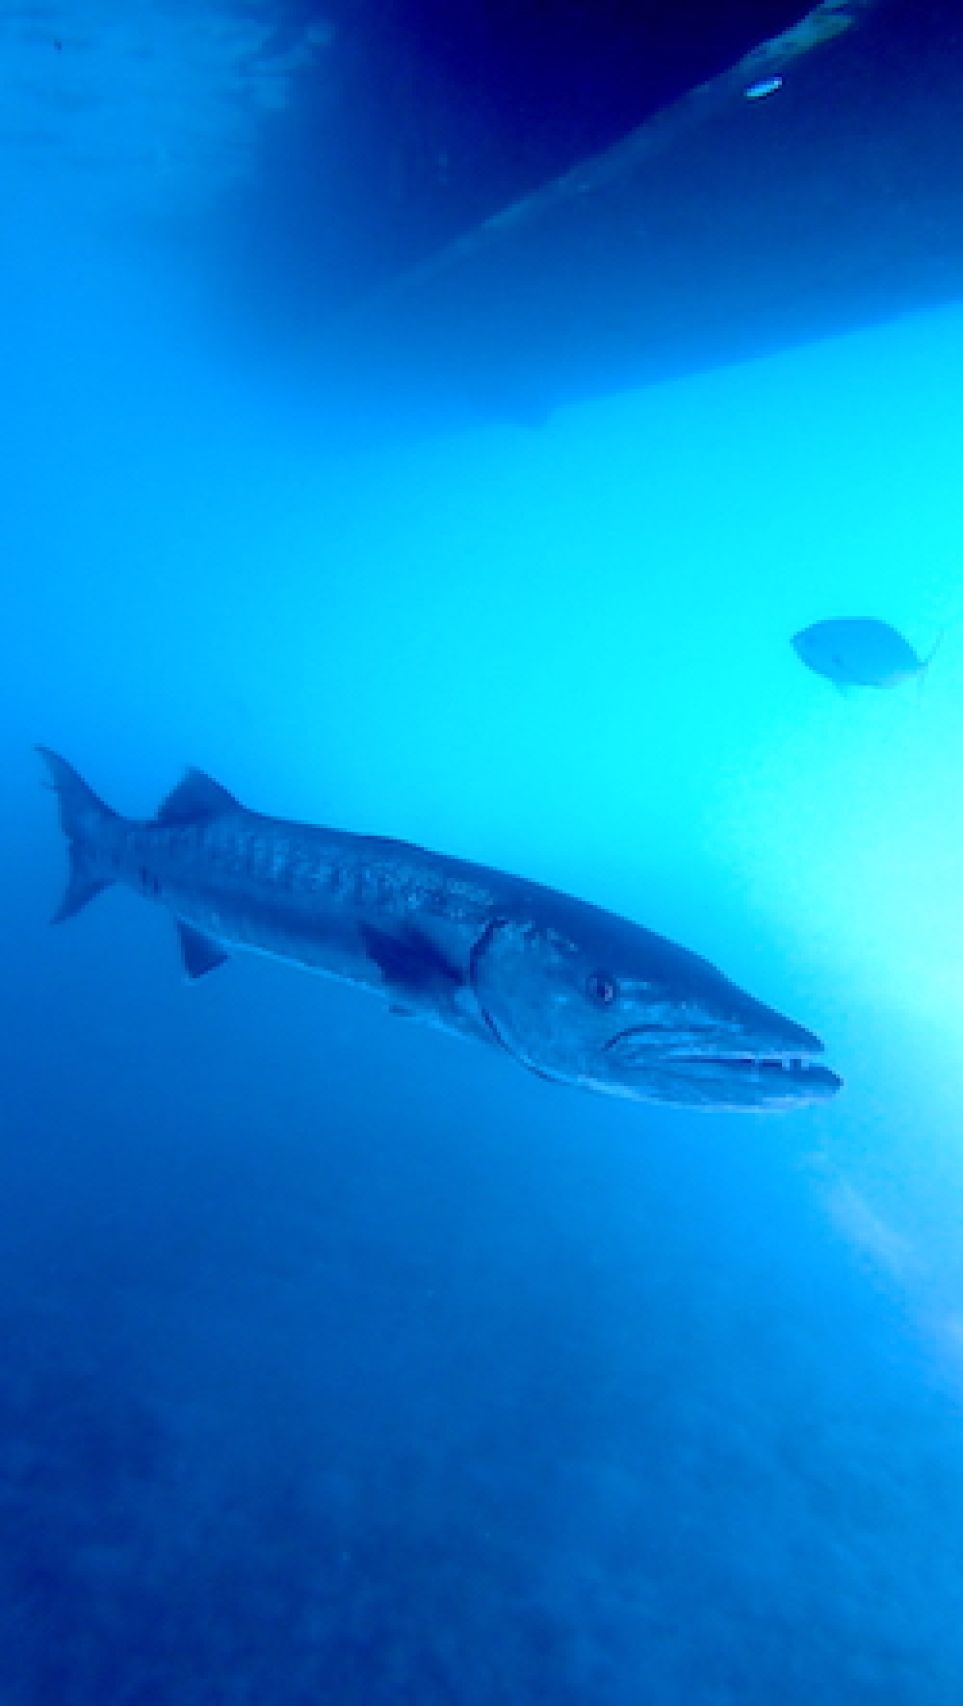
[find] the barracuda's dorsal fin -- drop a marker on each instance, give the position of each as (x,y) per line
(198,952)
(197,796)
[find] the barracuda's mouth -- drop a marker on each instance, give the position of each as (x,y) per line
(781,1069)
(730,1077)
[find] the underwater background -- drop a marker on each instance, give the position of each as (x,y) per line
(343,1362)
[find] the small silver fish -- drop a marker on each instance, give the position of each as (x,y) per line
(859,651)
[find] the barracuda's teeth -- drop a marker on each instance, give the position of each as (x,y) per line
(788,1063)
(766,1062)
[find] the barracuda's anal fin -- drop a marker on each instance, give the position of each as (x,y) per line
(410,964)
(196,797)
(199,954)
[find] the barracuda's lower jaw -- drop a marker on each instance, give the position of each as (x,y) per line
(731,1080)
(760,1080)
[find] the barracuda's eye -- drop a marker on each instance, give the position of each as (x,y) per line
(601,988)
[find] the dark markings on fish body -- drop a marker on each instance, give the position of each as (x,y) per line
(371,887)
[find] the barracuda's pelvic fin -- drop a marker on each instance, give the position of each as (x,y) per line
(199,953)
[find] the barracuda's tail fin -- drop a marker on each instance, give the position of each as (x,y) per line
(83,818)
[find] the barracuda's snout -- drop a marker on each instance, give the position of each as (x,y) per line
(623,1011)
(721,1048)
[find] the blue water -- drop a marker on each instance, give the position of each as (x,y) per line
(342,1361)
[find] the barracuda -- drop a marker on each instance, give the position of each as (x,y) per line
(574,993)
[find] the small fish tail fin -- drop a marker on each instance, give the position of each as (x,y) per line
(952,621)
(924,668)
(922,673)
(83,819)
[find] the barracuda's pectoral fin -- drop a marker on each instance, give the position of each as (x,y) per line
(199,954)
(197,796)
(412,967)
